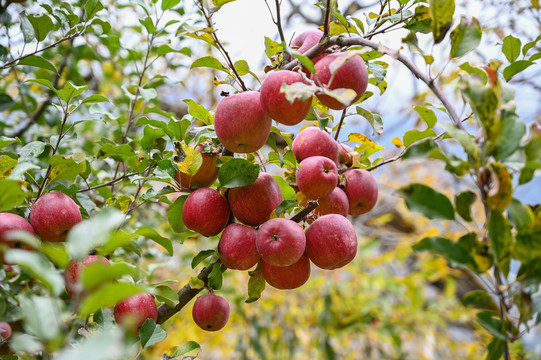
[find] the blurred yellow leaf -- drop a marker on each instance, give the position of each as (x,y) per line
(191,162)
(397,142)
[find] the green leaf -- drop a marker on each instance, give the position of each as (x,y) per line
(377,70)
(11,194)
(414,135)
(515,68)
(423,199)
(420,21)
(98,345)
(210,62)
(288,193)
(41,315)
(5,141)
(199,112)
(441,13)
(374,119)
(169,4)
(31,150)
(496,349)
(69,91)
(304,60)
(196,283)
(453,251)
(465,37)
(150,135)
(499,233)
(476,299)
(152,234)
(7,163)
(285,205)
(298,91)
(26,28)
(215,279)
(493,325)
(238,172)
(521,216)
(511,47)
(465,139)
(509,137)
(174,214)
(243,68)
(427,115)
(220,3)
(98,273)
(463,203)
(92,7)
(148,24)
(96,98)
(474,71)
(42,25)
(148,94)
(256,285)
(151,333)
(107,296)
(116,152)
(66,167)
(202,255)
(6,102)
(178,351)
(38,61)
(530,45)
(39,266)
(93,232)
(167,295)
(272,47)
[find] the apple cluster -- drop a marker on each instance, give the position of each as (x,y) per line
(251,234)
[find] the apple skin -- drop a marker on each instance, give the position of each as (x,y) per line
(274,102)
(7,334)
(313,141)
(335,203)
(74,286)
(362,191)
(205,176)
(237,247)
(12,222)
(280,242)
(331,242)
(344,154)
(307,40)
(287,277)
(132,312)
(53,215)
(352,75)
(241,124)
(206,211)
(210,312)
(253,204)
(317,177)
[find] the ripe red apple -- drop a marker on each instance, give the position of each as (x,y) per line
(254,203)
(345,155)
(280,242)
(317,177)
(335,203)
(210,312)
(53,215)
(237,247)
(207,173)
(241,124)
(361,190)
(132,312)
(274,102)
(7,331)
(205,211)
(313,141)
(12,222)
(74,286)
(331,242)
(351,75)
(287,277)
(307,40)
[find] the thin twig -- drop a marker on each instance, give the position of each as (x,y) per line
(327,24)
(340,124)
(114,181)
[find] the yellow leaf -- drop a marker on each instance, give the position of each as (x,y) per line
(501,193)
(361,139)
(535,4)
(191,161)
(397,142)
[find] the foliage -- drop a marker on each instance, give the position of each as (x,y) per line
(84,112)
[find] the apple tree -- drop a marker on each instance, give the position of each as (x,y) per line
(105,181)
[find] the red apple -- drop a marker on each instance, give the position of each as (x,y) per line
(206,211)
(307,40)
(280,242)
(331,242)
(237,247)
(274,102)
(241,124)
(317,177)
(210,312)
(361,190)
(74,286)
(313,142)
(335,203)
(53,215)
(287,277)
(254,203)
(207,173)
(351,75)
(12,222)
(7,331)
(345,155)
(132,312)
